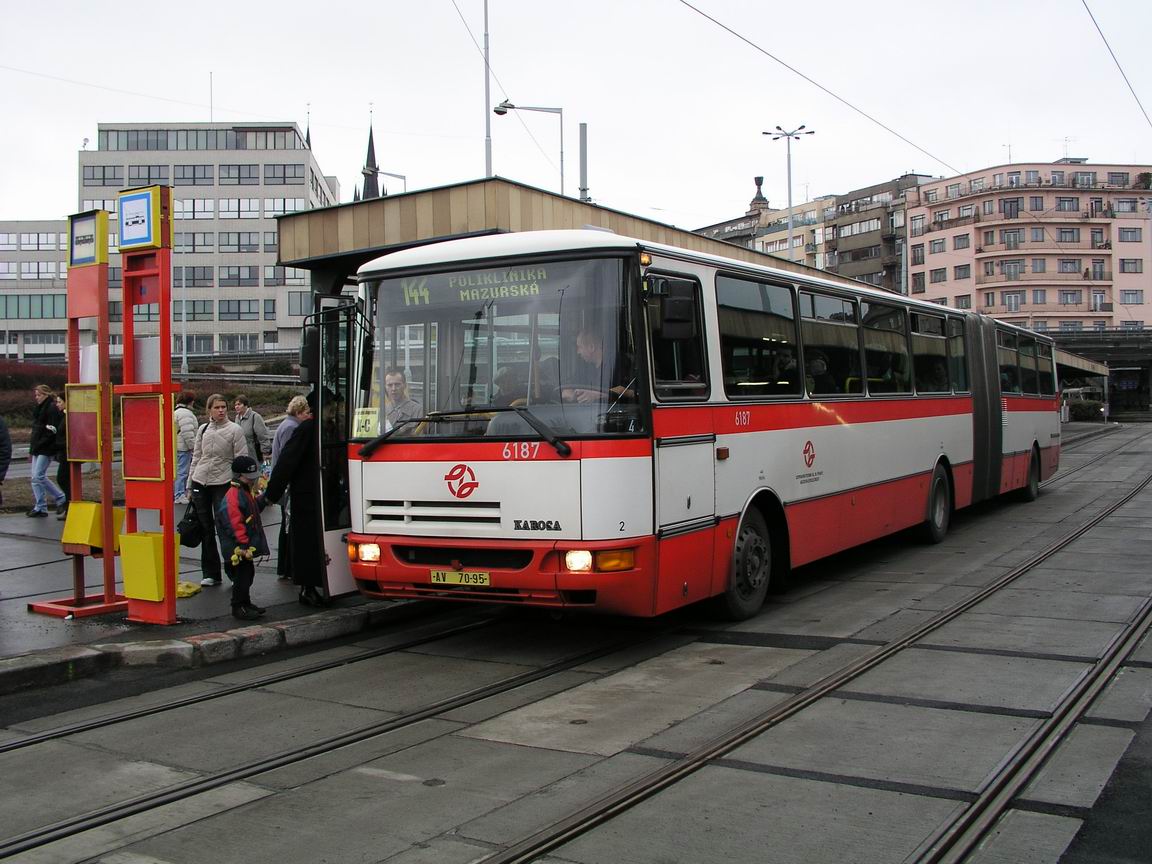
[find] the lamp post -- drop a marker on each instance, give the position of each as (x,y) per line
(401,177)
(506,106)
(788,136)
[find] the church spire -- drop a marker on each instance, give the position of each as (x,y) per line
(308,128)
(371,170)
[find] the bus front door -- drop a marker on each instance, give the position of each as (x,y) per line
(685,518)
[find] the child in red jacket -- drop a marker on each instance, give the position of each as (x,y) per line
(241,535)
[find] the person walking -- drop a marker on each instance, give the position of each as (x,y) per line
(297,471)
(46,418)
(217,443)
(185,419)
(256,433)
(297,410)
(64,470)
(5,454)
(241,535)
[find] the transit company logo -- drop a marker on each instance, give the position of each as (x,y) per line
(809,454)
(461,481)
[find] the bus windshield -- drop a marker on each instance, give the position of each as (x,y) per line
(525,350)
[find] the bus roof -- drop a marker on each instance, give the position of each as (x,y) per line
(516,243)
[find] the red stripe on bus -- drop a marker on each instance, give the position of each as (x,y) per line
(503,451)
(1030,403)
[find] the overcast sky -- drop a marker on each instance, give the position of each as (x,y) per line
(675,104)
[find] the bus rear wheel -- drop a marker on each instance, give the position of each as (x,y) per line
(751,569)
(935,527)
(1031,490)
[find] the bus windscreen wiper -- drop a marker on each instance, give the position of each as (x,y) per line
(542,428)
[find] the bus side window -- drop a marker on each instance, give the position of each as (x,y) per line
(676,327)
(758,339)
(1047,371)
(831,345)
(886,348)
(957,355)
(1028,380)
(1008,356)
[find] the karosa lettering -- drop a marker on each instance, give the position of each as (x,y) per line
(536,525)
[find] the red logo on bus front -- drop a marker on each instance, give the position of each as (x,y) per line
(461,481)
(809,454)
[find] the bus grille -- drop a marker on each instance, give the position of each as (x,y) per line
(396,512)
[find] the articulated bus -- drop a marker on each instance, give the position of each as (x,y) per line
(581,420)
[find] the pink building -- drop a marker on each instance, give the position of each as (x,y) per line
(1050,246)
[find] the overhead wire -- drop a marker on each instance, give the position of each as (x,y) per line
(1115,60)
(820,86)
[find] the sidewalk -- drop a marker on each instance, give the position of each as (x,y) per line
(39,649)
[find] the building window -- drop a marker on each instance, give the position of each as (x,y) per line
(1068,235)
(147,175)
(952,190)
(192,175)
(964,301)
(1084,178)
(941,215)
(961,241)
(1131,265)
(198,277)
(1013,300)
(239,241)
(989,238)
(1131,296)
(967,211)
(938,275)
(1071,298)
(200,343)
(1039,265)
(962,271)
(282,206)
(1067,205)
(1126,205)
(930,195)
(38,242)
(270,310)
(1127,235)
(283,175)
(239,343)
(1071,326)
(103,175)
(1069,265)
(8,270)
(916,226)
(1117,178)
(1040,326)
(271,241)
(198,310)
(194,208)
(273,276)
(271,337)
(37,269)
(989,298)
(1035,203)
(239,277)
(918,253)
(8,241)
(239,175)
(195,241)
(976,184)
(299,304)
(1039,296)
(1132,325)
(239,310)
(989,268)
(918,283)
(935,246)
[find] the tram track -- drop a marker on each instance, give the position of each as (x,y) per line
(69,827)
(953,840)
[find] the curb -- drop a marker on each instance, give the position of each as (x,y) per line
(60,665)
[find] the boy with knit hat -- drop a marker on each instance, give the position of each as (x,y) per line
(241,535)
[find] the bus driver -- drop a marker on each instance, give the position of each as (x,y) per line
(590,373)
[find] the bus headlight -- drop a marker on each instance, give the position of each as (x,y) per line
(368,551)
(578,560)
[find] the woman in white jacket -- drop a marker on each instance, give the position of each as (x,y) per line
(216,444)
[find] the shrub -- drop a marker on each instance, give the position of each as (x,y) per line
(1086,412)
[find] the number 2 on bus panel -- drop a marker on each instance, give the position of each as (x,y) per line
(521,450)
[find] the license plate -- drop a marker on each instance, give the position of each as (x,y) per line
(459,577)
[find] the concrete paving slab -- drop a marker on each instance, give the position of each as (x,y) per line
(928,747)
(1094,580)
(1076,773)
(513,699)
(947,597)
(40,785)
(360,753)
(609,715)
(1020,683)
(101,843)
(105,709)
(811,669)
(429,790)
(286,664)
(1027,838)
(1071,605)
(205,737)
(1055,636)
(695,731)
(538,808)
(1143,652)
(842,611)
(720,815)
(1127,699)
(441,850)
(896,626)
(397,682)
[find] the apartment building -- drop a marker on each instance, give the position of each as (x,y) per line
(230,181)
(1062,246)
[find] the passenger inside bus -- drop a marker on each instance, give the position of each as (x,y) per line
(818,378)
(398,403)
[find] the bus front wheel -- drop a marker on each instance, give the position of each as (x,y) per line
(751,569)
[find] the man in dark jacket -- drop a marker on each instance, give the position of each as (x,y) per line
(46,418)
(241,535)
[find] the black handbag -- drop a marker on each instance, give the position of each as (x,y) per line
(189,529)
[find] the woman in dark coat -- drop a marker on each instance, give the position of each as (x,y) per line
(46,418)
(297,471)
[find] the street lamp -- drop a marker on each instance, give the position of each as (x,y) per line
(401,177)
(788,136)
(506,106)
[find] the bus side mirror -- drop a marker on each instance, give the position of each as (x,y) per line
(309,354)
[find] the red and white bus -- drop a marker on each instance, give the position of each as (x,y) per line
(588,421)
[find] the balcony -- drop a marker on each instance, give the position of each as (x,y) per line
(997,278)
(1047,310)
(1048,245)
(949,224)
